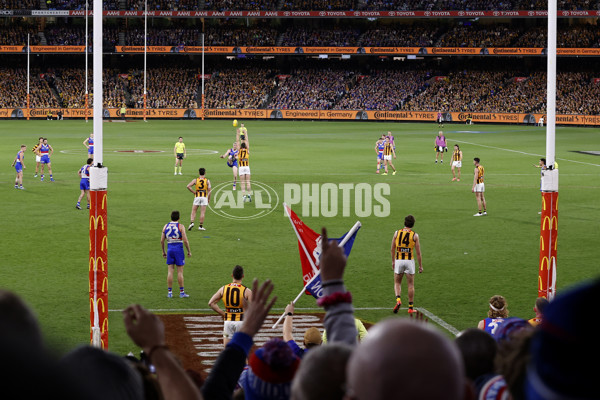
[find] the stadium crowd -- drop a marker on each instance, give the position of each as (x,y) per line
(232,33)
(305,36)
(239,88)
(311,88)
(519,358)
(469,86)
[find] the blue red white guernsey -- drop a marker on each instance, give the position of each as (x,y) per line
(232,159)
(492,324)
(175,255)
(91,144)
(85,171)
(18,165)
(84,184)
(173,234)
(44,149)
(44,153)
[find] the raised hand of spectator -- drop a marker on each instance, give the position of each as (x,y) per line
(333,260)
(147,331)
(289,308)
(144,328)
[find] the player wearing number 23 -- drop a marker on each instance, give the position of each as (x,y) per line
(174,234)
(235,296)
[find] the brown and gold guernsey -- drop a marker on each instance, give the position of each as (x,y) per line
(405,243)
(201,187)
(480,172)
(456,155)
(233,298)
(387,149)
(243,158)
(35,148)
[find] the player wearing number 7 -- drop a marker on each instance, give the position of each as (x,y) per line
(405,245)
(235,297)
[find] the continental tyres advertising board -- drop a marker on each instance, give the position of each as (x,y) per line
(283,114)
(312,50)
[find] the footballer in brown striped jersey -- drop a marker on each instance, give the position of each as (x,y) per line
(405,248)
(235,297)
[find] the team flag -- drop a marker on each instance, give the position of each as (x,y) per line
(309,246)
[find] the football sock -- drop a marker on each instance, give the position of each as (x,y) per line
(398,299)
(175,170)
(179,169)
(410,305)
(181,289)
(170,290)
(78,203)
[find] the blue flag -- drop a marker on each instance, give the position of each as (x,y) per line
(314,286)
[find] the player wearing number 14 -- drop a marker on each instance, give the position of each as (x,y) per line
(235,296)
(405,245)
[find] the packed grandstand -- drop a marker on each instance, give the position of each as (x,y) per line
(384,82)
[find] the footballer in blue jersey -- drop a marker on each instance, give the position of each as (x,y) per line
(84,183)
(89,143)
(46,151)
(174,234)
(19,165)
(379,146)
(232,161)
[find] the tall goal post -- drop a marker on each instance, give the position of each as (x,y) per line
(98,223)
(549,185)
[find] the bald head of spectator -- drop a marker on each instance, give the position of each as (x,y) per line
(405,359)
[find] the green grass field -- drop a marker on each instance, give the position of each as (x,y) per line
(466,259)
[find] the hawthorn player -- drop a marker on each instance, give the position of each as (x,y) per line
(235,297)
(405,246)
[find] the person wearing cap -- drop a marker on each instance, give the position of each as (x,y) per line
(312,336)
(270,372)
(564,348)
(497,313)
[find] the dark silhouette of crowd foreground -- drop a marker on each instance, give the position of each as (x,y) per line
(401,358)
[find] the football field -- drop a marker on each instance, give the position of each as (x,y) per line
(318,167)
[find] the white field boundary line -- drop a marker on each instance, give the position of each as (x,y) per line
(525,153)
(432,317)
